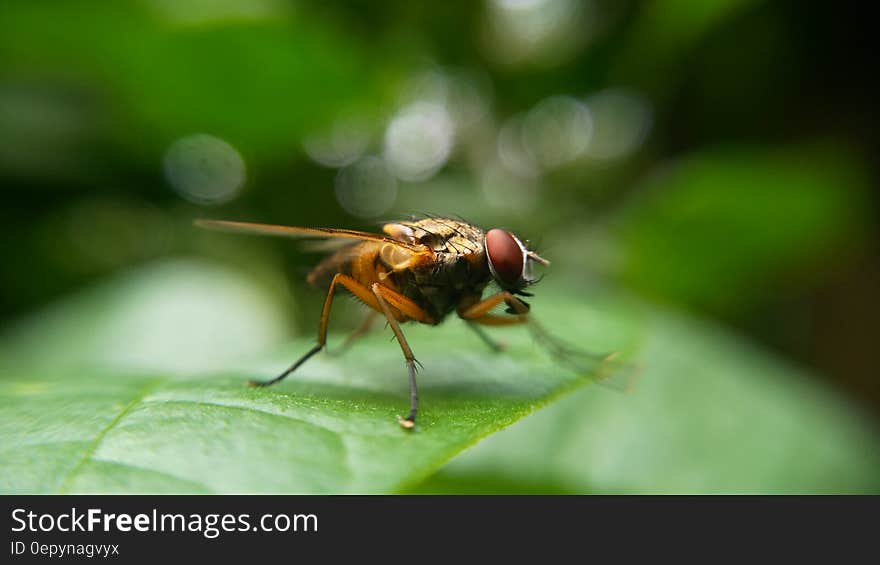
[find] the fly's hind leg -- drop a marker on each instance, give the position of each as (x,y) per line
(354,287)
(387,299)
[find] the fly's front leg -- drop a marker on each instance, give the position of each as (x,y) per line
(494,345)
(604,368)
(478,314)
(387,299)
(359,290)
(483,308)
(583,361)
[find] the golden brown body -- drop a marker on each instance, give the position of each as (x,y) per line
(420,271)
(450,271)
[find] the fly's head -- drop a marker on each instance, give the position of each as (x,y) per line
(510,261)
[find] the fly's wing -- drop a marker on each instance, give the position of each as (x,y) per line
(347,246)
(301,232)
(340,261)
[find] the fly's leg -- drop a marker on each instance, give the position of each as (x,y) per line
(582,361)
(478,314)
(356,288)
(387,299)
(483,308)
(494,320)
(360,331)
(606,368)
(494,345)
(292,368)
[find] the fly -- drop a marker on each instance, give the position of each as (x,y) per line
(419,271)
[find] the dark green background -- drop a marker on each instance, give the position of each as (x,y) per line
(752,200)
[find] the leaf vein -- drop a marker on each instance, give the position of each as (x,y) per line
(89,454)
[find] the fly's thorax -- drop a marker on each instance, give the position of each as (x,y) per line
(442,235)
(452,266)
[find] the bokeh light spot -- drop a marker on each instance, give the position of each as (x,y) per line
(367,188)
(419,140)
(557,131)
(512,151)
(342,145)
(204,169)
(621,122)
(541,32)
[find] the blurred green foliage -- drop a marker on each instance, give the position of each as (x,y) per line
(715,157)
(724,229)
(255,81)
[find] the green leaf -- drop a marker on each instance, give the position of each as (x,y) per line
(174,316)
(331,427)
(710,414)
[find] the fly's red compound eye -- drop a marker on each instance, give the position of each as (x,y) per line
(506,257)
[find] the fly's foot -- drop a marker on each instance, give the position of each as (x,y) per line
(253,383)
(406,423)
(608,369)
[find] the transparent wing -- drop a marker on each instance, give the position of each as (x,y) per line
(301,232)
